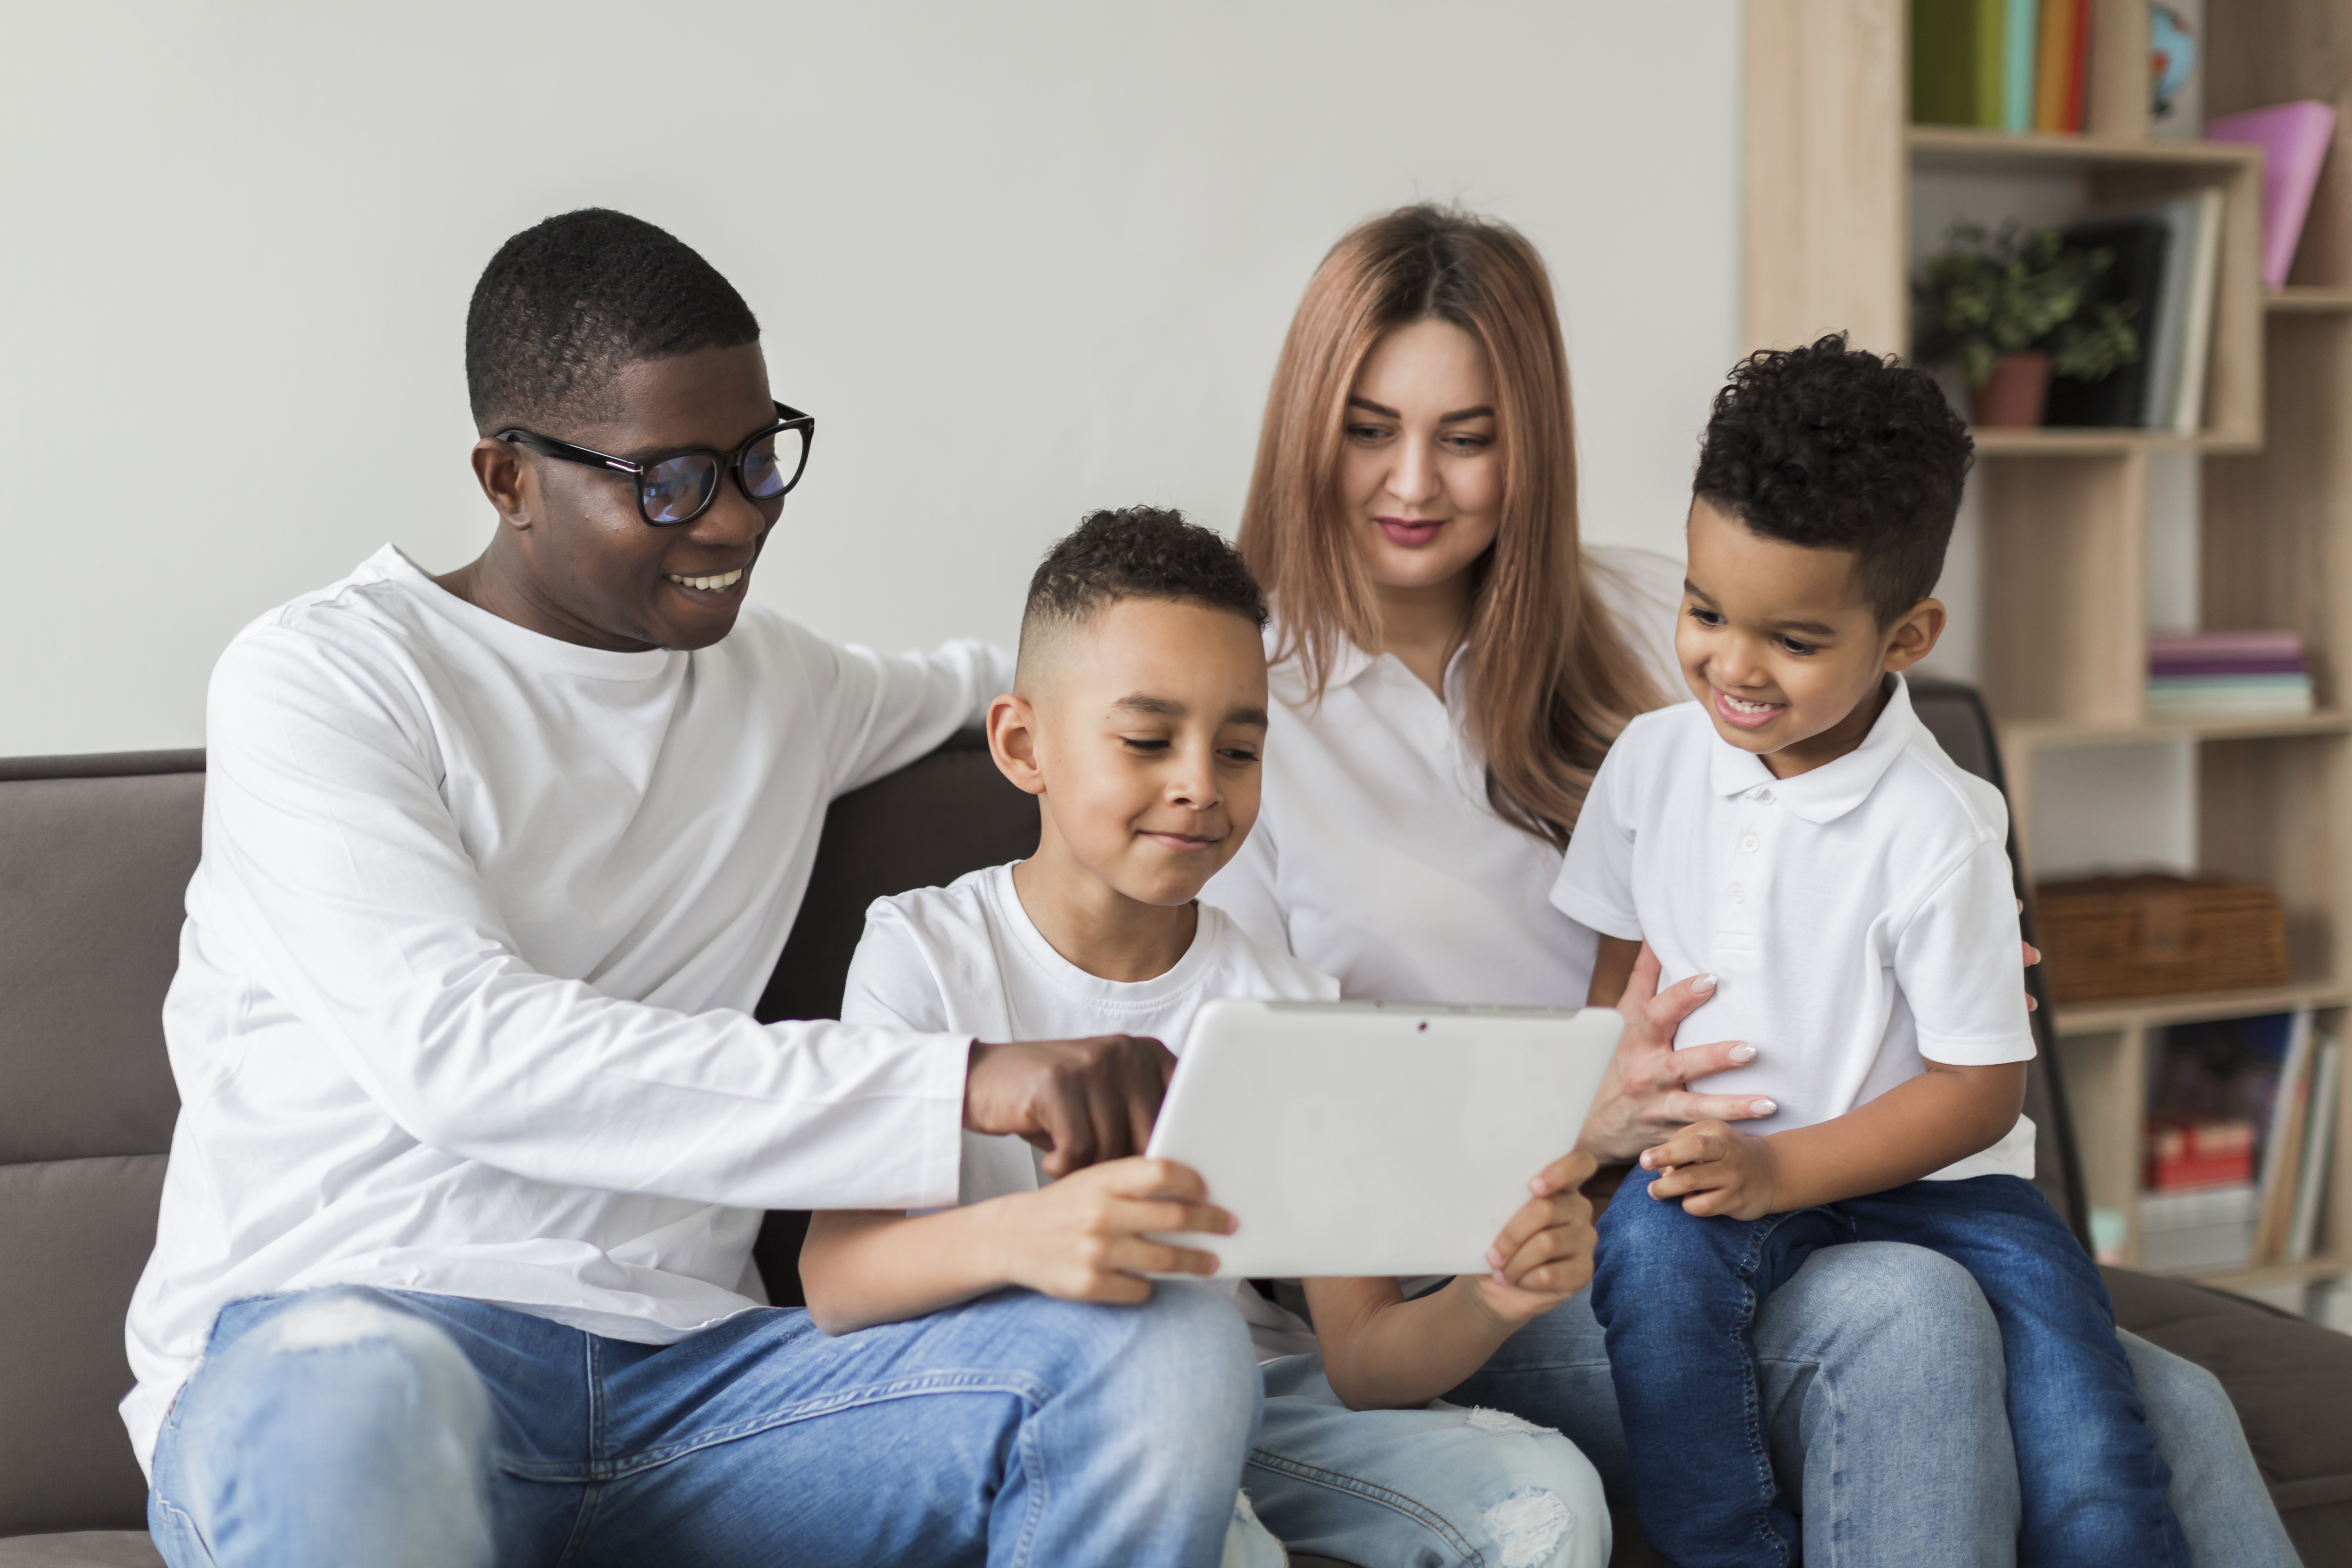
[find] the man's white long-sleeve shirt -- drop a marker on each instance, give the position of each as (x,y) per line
(464,991)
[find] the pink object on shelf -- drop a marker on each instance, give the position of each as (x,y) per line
(2294,137)
(2202,646)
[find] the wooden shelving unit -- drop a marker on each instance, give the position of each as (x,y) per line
(1831,163)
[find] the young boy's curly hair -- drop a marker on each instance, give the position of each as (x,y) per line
(1836,449)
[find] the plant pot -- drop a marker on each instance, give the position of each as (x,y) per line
(2016,392)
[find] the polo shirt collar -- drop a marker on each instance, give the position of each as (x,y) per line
(1830,791)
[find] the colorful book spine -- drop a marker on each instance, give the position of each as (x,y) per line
(2057,67)
(2294,139)
(2019,36)
(1959,50)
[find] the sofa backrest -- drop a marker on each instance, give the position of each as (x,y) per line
(95,856)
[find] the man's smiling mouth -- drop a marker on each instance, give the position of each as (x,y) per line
(714,584)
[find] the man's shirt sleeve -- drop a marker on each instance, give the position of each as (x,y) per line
(334,865)
(881,711)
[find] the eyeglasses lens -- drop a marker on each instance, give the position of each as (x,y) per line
(676,488)
(769,466)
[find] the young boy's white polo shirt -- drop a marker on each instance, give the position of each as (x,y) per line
(1858,917)
(969,953)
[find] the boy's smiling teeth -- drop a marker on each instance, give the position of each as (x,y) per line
(1743,706)
(708,584)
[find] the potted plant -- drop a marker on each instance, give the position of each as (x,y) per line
(2012,308)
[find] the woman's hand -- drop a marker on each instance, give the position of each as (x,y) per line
(1544,1254)
(1081,1238)
(1643,1101)
(1715,1169)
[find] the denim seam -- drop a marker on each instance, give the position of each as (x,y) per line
(593,1372)
(611,1469)
(577,1541)
(185,1526)
(1759,1447)
(1419,1512)
(1032,1462)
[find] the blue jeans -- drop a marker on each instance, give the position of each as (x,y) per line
(371,1428)
(1676,1298)
(1419,1489)
(1880,1364)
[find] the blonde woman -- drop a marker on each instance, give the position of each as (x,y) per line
(1451,665)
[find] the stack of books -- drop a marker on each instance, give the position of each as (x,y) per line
(2190,1151)
(2235,675)
(2238,1178)
(2001,65)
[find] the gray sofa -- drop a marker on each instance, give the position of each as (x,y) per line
(95,853)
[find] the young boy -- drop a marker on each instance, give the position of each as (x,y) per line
(1797,835)
(1137,719)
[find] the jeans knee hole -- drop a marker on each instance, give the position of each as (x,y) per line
(1526,1527)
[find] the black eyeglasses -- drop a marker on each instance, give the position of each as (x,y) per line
(680,487)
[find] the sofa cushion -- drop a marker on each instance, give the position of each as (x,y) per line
(2291,1382)
(82,1549)
(93,884)
(90,1225)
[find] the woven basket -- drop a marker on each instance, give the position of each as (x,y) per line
(2110,937)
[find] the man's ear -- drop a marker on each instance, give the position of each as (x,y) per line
(506,481)
(1915,637)
(1013,742)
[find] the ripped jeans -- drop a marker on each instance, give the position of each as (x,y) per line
(1419,1489)
(372,1428)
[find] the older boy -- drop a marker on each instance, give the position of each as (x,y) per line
(453,1266)
(1137,719)
(1799,840)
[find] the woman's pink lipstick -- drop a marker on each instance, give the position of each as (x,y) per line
(1741,718)
(1411,532)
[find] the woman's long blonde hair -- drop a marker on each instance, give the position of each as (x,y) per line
(1552,677)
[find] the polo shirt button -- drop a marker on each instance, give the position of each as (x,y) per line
(1764,797)
(1748,843)
(1736,895)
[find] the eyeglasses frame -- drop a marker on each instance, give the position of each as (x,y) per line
(787,418)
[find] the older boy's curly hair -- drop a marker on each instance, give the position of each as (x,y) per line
(1136,553)
(1837,449)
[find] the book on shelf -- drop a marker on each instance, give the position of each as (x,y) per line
(2318,1145)
(2232,675)
(1960,59)
(2187,1151)
(2058,65)
(2020,37)
(2294,139)
(2138,245)
(2202,1231)
(2176,49)
(2282,1160)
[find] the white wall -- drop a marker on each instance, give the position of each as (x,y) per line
(1021,261)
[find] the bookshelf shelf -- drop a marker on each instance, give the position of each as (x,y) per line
(2020,737)
(2308,299)
(2161,1011)
(1840,191)
(1960,147)
(2050,442)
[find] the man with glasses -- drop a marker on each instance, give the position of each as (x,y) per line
(453,1266)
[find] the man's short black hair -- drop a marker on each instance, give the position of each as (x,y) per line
(567,302)
(1136,553)
(1838,449)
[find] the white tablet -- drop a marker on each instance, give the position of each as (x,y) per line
(1375,1138)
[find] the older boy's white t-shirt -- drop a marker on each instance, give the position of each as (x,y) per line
(969,953)
(1859,917)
